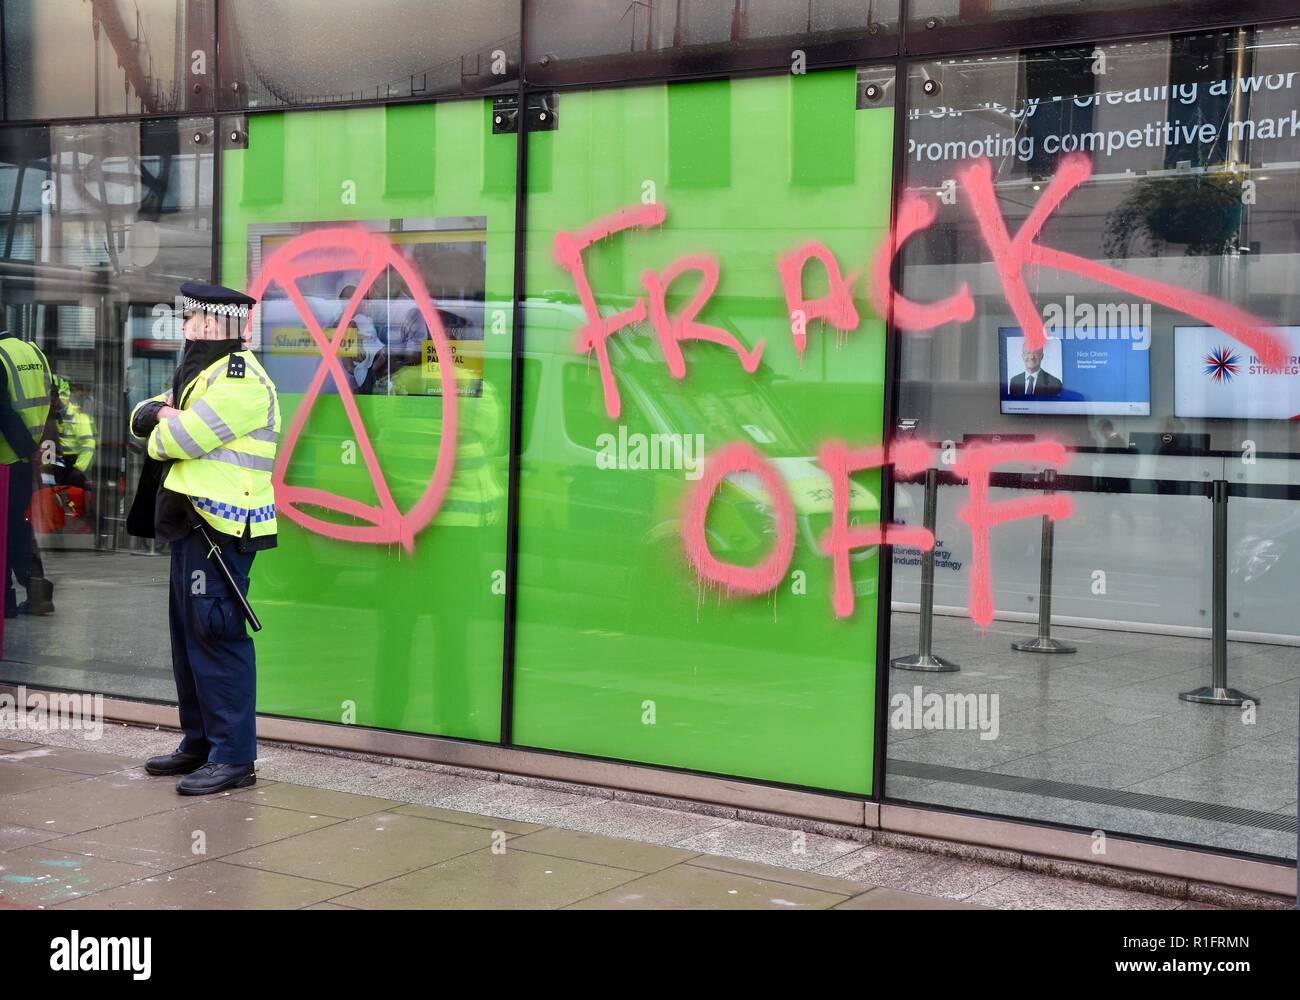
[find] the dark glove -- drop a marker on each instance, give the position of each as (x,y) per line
(146,418)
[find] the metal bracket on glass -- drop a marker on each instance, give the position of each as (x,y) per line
(875,88)
(1043,642)
(1217,691)
(542,113)
(924,658)
(234,132)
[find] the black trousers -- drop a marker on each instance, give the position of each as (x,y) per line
(213,659)
(22,557)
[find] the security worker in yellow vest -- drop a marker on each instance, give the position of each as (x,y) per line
(26,386)
(217,430)
(76,428)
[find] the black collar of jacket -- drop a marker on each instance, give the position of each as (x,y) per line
(198,355)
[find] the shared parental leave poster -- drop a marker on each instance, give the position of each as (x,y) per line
(1215,376)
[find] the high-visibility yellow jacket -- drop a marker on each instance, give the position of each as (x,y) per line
(77,435)
(30,381)
(476,494)
(223,442)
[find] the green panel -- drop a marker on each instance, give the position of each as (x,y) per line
(621,652)
(409,163)
(699,135)
(377,634)
(822,149)
(265,186)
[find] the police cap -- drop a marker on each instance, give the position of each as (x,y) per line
(216,299)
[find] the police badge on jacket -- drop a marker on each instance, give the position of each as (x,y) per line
(210,444)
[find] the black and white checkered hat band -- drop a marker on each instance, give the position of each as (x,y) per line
(223,309)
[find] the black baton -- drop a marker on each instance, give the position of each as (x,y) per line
(214,553)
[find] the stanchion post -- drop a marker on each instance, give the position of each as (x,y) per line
(924,659)
(1218,692)
(1043,642)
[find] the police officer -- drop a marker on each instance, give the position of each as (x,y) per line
(217,430)
(26,385)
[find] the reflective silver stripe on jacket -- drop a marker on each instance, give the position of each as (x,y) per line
(213,421)
(270,400)
(243,460)
(16,387)
(187,444)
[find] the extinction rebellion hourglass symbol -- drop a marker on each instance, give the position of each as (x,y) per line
(324,251)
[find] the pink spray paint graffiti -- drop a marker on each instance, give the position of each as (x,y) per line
(975,466)
(1013,254)
(671,331)
(598,329)
(839,460)
(915,214)
(748,580)
(1010,257)
(835,307)
(355,249)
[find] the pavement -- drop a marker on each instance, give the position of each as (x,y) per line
(82,826)
(1098,740)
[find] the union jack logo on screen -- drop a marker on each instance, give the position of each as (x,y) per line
(1221,364)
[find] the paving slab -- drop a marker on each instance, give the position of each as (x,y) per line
(689,887)
(315,801)
(210,885)
(44,875)
(177,838)
(487,880)
(359,852)
(578,845)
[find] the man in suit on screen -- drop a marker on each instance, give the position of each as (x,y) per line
(1034,380)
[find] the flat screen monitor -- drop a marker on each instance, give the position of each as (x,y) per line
(1104,370)
(1217,376)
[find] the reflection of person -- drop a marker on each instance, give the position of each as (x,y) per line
(26,399)
(76,431)
(1111,439)
(442,676)
(1034,380)
(216,430)
(363,344)
(405,355)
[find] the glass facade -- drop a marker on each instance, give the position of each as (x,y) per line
(286,52)
(1157,172)
(102,222)
(623,649)
(404,218)
(68,59)
(592,435)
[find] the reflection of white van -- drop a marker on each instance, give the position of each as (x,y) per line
(563,390)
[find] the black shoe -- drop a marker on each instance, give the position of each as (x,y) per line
(211,778)
(40,597)
(174,763)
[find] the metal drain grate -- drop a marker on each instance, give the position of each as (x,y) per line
(1098,796)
